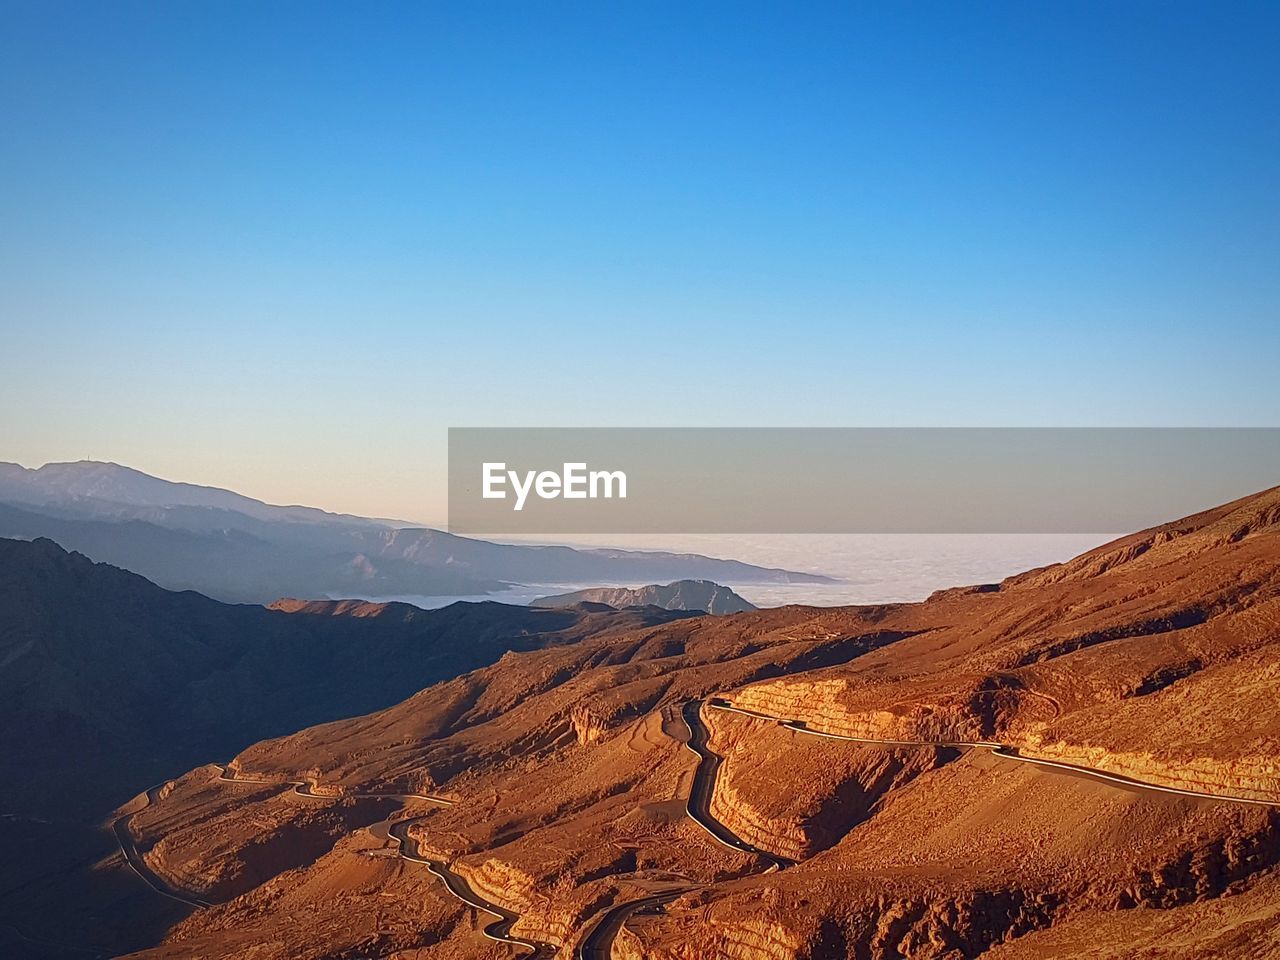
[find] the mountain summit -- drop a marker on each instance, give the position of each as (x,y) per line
(704,595)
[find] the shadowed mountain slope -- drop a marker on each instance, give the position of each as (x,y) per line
(100,661)
(108,681)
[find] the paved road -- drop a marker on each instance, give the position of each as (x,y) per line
(500,929)
(698,806)
(1006,751)
(133,856)
(597,944)
(407,847)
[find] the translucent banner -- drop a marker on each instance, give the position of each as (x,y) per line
(557,480)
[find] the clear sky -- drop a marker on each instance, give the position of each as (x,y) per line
(284,249)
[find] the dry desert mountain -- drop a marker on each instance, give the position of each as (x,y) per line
(1081,761)
(701,595)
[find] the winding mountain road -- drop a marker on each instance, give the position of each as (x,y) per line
(698,806)
(597,943)
(133,856)
(601,932)
(406,847)
(1003,750)
(500,929)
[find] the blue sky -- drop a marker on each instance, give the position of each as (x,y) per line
(283,250)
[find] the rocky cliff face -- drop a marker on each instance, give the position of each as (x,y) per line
(821,705)
(758,799)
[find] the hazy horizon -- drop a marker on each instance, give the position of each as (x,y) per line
(868,568)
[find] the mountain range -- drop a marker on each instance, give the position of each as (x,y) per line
(237,549)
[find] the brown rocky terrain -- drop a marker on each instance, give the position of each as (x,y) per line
(910,796)
(1151,664)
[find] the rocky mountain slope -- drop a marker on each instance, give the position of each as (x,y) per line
(108,682)
(1079,761)
(701,595)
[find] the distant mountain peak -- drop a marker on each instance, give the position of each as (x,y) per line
(115,483)
(705,595)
